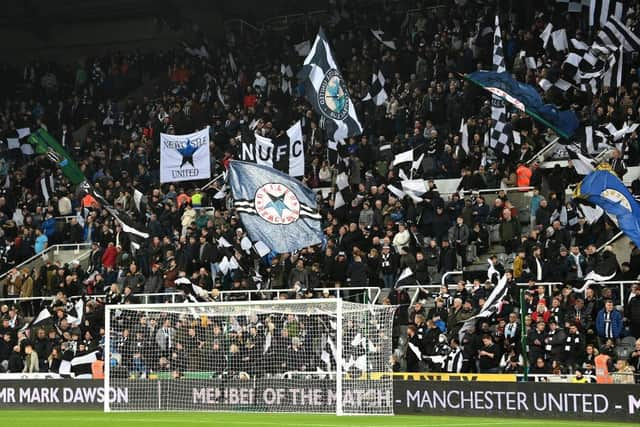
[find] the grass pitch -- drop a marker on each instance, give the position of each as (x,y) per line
(87,418)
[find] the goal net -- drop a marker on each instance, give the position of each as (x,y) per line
(317,356)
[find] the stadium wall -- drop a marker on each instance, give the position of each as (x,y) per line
(474,398)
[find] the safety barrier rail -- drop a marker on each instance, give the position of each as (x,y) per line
(369,294)
(55,249)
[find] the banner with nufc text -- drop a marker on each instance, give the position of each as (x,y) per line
(284,153)
(605,402)
(185,157)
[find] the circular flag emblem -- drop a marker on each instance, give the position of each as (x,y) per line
(333,96)
(276,203)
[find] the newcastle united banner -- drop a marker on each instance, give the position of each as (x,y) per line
(185,157)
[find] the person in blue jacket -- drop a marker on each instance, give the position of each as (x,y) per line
(609,322)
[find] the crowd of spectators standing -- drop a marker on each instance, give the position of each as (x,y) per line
(114,137)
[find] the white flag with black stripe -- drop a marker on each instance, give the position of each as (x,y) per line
(601,10)
(327,91)
(376,91)
(379,35)
(581,164)
(47,185)
(613,77)
(136,232)
(284,153)
(491,306)
(615,33)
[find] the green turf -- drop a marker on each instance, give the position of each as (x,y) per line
(36,418)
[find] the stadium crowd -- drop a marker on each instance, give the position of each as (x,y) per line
(368,242)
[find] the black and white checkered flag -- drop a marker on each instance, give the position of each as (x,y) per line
(376,92)
(500,132)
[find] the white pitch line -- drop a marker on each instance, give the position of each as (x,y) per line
(298,424)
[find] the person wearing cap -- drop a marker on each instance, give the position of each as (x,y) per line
(388,266)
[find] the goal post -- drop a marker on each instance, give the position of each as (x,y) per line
(310,355)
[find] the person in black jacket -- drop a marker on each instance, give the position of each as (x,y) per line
(413,353)
(448,259)
(632,313)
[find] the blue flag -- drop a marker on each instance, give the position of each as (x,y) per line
(274,208)
(604,188)
(526,99)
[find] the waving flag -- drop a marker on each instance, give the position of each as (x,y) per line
(499,136)
(285,152)
(526,99)
(603,188)
(46,144)
(274,208)
(327,91)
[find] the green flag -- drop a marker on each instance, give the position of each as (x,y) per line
(44,143)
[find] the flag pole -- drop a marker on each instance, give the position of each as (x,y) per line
(523,337)
(213,181)
(526,110)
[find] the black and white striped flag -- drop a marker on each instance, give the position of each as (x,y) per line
(582,164)
(286,74)
(79,365)
(613,77)
(136,232)
(415,156)
(592,141)
(337,153)
(558,38)
(560,84)
(44,317)
(376,91)
(327,91)
(613,134)
(343,194)
(601,10)
(140,201)
(48,187)
(499,135)
(388,42)
(614,34)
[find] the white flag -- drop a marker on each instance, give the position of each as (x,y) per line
(185,157)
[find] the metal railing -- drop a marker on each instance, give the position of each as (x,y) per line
(548,285)
(496,190)
(370,295)
(242,25)
(552,378)
(449,273)
(53,250)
